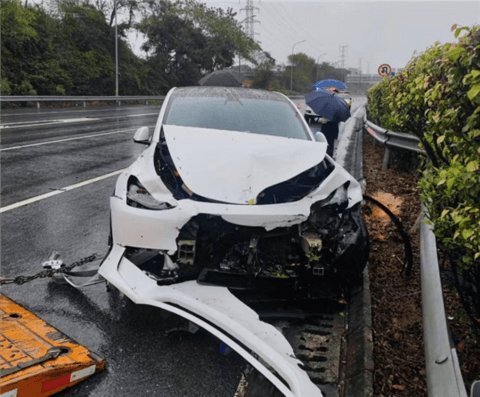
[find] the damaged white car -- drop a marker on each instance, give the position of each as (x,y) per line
(233,195)
(235,190)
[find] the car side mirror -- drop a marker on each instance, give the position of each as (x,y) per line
(142,136)
(319,137)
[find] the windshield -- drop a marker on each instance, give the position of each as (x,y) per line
(232,112)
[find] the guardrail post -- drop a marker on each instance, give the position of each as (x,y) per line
(386,159)
(146,102)
(84,104)
(38,105)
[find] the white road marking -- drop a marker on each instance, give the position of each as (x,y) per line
(144,114)
(39,123)
(24,124)
(64,140)
(58,191)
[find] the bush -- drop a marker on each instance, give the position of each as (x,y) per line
(6,90)
(437,98)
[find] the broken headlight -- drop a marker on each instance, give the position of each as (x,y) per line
(139,197)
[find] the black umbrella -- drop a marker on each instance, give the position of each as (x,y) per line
(327,104)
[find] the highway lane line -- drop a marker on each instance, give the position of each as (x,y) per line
(66,139)
(58,191)
(24,124)
(39,123)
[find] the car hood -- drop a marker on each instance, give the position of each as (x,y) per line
(233,166)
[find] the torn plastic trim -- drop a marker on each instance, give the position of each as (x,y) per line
(143,170)
(235,321)
(139,197)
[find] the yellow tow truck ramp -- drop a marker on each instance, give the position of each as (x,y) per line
(35,358)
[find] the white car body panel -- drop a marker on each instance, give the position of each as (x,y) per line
(249,162)
(218,306)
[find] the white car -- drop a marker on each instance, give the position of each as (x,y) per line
(234,192)
(233,182)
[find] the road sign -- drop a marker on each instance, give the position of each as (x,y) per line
(384,70)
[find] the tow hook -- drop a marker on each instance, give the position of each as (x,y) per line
(55,263)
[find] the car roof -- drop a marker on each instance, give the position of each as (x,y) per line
(233,93)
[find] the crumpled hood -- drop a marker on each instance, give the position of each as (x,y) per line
(233,166)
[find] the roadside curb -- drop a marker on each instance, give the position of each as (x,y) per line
(359,362)
(359,357)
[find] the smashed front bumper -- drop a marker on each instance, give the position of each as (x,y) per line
(153,229)
(219,312)
(213,307)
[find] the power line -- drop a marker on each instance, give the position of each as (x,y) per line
(304,33)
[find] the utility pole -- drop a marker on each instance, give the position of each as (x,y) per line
(116,51)
(318,60)
(291,67)
(342,55)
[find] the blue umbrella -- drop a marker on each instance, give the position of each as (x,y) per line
(319,85)
(327,104)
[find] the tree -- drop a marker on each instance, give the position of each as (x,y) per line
(186,39)
(264,76)
(66,50)
(302,68)
(326,71)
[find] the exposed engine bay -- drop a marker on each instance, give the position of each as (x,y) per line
(331,243)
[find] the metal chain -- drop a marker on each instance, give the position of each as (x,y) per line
(20,280)
(81,262)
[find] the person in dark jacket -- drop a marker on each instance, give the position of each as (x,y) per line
(330,130)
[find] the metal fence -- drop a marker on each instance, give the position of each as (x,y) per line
(444,378)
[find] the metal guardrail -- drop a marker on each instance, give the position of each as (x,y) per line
(394,139)
(60,98)
(444,378)
(83,99)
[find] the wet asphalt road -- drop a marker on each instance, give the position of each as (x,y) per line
(142,361)
(40,156)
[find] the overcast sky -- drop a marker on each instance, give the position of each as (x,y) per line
(377,32)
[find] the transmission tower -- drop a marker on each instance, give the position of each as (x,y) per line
(249,20)
(342,54)
(360,71)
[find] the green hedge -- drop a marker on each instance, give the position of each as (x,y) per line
(437,98)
